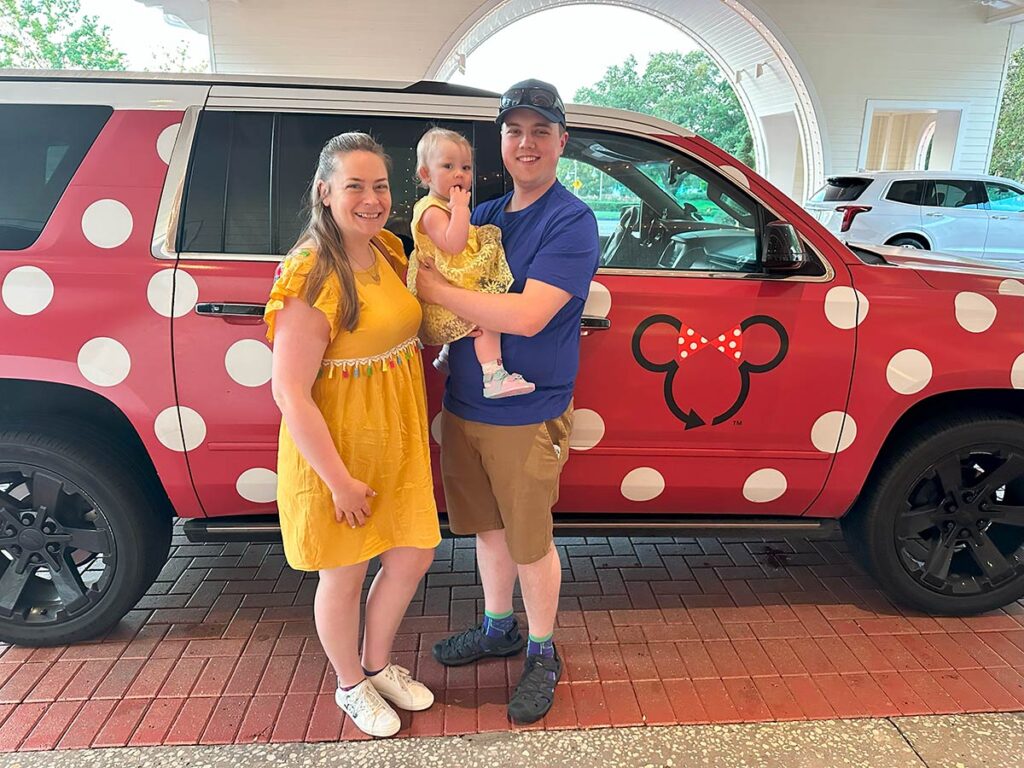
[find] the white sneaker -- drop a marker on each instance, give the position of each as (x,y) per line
(368,710)
(396,685)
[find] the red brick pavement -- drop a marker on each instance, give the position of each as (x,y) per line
(652,631)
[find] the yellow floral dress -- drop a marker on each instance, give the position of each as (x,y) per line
(371,392)
(480,267)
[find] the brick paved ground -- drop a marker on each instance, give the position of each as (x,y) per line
(655,631)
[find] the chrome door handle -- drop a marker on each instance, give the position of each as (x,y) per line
(935,215)
(1000,218)
(589,324)
(226,309)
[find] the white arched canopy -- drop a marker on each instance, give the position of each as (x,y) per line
(777,99)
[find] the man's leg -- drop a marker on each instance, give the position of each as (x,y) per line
(497,571)
(541,582)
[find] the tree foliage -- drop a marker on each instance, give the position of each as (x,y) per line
(687,89)
(1008,151)
(53,34)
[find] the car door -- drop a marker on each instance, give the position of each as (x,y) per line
(954,216)
(715,388)
(250,171)
(1005,241)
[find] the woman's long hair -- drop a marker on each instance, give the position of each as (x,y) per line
(323,232)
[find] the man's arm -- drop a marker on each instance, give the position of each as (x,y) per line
(521,314)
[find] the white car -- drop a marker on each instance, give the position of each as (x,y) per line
(970,215)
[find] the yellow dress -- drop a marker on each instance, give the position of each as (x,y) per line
(371,392)
(480,267)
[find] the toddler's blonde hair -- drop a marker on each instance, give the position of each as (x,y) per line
(429,142)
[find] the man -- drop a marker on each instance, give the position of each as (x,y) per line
(501,459)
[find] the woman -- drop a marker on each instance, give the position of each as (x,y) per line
(354,477)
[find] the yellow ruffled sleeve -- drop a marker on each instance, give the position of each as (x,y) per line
(290,282)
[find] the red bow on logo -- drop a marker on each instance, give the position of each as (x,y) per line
(729,343)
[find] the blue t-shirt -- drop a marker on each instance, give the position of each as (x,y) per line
(554,240)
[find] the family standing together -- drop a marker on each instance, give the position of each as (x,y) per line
(501,291)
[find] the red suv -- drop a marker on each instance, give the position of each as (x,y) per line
(743,371)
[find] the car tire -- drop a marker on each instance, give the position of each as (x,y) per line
(931,527)
(906,241)
(82,535)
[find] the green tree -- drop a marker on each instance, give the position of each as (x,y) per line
(53,34)
(686,89)
(1008,151)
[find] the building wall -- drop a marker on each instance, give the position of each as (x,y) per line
(912,50)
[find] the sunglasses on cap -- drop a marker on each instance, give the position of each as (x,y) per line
(534,97)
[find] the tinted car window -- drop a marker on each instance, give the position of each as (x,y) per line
(251,173)
(1004,198)
(841,189)
(41,147)
(909,192)
(955,194)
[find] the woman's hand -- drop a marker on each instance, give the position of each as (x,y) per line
(430,283)
(351,503)
(458,196)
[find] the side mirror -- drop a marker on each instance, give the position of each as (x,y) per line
(783,251)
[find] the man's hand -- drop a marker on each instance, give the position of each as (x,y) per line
(430,283)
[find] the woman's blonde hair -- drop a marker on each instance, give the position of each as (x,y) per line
(429,142)
(323,232)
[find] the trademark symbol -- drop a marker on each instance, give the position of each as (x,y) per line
(737,422)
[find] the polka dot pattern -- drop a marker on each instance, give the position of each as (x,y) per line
(186,436)
(435,428)
(643,484)
(846,307)
(587,429)
(104,362)
(165,142)
(833,432)
(107,223)
(1011,288)
(161,289)
(1017,372)
(909,371)
(975,313)
(249,362)
(764,485)
(599,301)
(27,290)
(257,485)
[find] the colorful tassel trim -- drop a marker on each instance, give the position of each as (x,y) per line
(367,366)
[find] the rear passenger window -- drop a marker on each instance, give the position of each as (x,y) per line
(251,171)
(841,189)
(41,147)
(955,194)
(909,192)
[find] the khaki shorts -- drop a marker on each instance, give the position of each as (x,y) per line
(499,477)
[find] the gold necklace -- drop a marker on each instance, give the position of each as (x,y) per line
(374,269)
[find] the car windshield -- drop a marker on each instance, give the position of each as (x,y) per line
(689,189)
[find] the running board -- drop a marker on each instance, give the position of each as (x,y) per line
(267,529)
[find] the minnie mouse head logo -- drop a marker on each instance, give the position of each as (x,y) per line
(690,343)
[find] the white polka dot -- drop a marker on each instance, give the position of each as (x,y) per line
(974,312)
(732,345)
(1011,288)
(736,332)
(587,429)
(165,141)
(1017,372)
(845,307)
(27,290)
(105,362)
(693,345)
(703,340)
(721,349)
(909,371)
(737,355)
(258,485)
(689,331)
(107,223)
(169,431)
(643,484)
(599,301)
(249,362)
(684,354)
(160,289)
(825,434)
(764,485)
(679,340)
(722,337)
(435,428)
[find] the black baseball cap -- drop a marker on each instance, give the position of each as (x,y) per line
(537,95)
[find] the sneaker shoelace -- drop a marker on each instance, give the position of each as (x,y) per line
(465,642)
(400,675)
(370,701)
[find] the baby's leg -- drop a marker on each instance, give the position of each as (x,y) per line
(487,346)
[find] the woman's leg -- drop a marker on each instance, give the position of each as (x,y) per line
(487,346)
(394,585)
(336,612)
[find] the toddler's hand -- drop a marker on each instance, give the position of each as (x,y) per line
(458,196)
